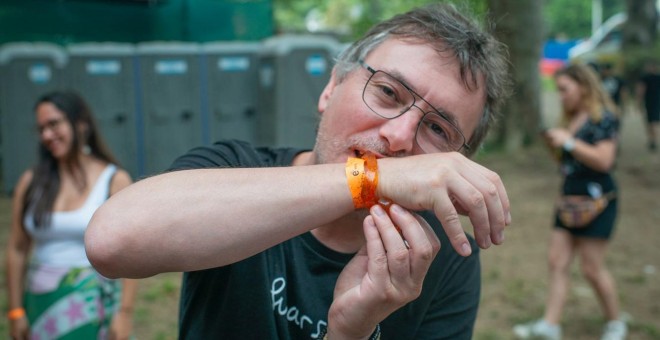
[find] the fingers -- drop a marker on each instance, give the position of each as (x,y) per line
(407,260)
(452,185)
(499,206)
(394,256)
(377,263)
(446,212)
(477,192)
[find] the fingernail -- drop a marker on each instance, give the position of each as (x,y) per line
(500,237)
(466,249)
(370,222)
(397,209)
(508,218)
(378,210)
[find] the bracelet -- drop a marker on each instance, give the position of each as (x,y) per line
(569,145)
(370,180)
(16,313)
(355,176)
(374,336)
(362,177)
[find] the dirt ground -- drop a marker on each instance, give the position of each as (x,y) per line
(514,274)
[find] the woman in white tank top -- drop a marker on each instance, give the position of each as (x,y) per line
(60,295)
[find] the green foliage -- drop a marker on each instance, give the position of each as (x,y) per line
(636,57)
(349,18)
(572,18)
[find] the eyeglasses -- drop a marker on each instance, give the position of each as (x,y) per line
(52,124)
(389,98)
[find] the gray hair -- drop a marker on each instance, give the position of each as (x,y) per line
(447,30)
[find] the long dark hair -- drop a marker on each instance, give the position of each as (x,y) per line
(45,184)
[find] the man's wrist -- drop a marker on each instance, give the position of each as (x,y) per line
(374,336)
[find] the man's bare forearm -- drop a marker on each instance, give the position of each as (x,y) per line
(196,219)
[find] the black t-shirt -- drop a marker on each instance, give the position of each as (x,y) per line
(579,177)
(651,82)
(285,292)
(614,86)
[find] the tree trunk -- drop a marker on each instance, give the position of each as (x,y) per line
(519,25)
(639,35)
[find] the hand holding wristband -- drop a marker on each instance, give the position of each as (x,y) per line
(362,176)
(16,313)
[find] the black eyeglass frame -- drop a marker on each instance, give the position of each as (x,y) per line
(435,111)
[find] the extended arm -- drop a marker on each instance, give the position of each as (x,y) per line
(196,219)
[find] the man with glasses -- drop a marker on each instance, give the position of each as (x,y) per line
(271,241)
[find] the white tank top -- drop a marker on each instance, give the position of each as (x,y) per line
(62,243)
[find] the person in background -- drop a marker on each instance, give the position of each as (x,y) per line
(342,241)
(648,97)
(587,139)
(54,293)
(612,84)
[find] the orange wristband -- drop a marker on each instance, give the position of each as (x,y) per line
(370,180)
(355,177)
(362,176)
(16,313)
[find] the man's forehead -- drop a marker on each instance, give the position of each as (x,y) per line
(442,60)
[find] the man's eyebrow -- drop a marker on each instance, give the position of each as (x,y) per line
(451,117)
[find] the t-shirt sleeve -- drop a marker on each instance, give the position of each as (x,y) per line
(608,128)
(234,154)
(219,155)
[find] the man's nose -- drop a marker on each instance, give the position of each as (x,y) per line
(400,131)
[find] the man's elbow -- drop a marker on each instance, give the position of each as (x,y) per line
(104,246)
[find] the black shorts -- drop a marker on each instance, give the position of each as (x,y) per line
(652,113)
(602,227)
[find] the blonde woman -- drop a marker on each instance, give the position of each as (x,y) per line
(54,293)
(587,143)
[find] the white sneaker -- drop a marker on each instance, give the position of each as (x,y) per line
(538,329)
(615,330)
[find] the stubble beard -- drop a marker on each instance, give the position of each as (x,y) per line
(329,149)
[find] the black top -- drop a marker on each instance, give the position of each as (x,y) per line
(652,93)
(285,291)
(577,175)
(614,86)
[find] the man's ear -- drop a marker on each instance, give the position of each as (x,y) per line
(327,92)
